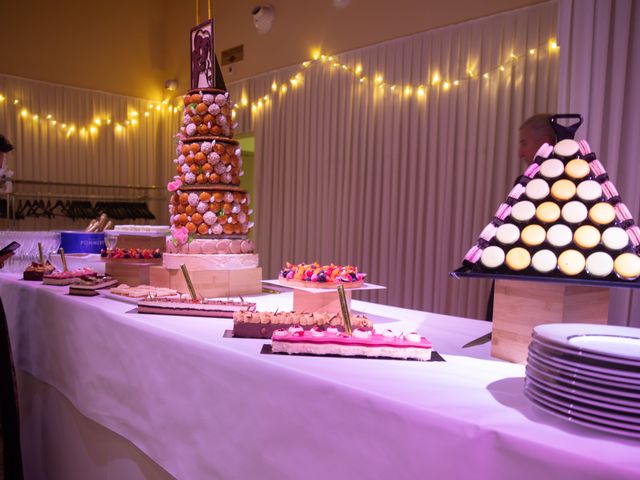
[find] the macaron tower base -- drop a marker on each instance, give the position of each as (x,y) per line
(519,306)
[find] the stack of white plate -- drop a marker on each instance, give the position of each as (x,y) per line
(588,374)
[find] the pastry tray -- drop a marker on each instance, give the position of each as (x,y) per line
(466,272)
(310,289)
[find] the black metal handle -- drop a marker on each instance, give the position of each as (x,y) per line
(565,132)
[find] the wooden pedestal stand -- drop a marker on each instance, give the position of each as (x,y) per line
(211,283)
(310,302)
(518,306)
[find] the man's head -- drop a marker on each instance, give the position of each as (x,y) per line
(534,132)
(5,147)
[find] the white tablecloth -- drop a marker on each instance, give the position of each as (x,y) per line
(204,406)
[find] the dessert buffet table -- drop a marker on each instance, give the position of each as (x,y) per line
(204,406)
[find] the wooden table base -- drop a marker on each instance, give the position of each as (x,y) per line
(518,306)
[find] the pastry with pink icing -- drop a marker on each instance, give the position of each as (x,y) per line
(193,308)
(361,343)
(69,277)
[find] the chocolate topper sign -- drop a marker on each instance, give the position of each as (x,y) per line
(205,71)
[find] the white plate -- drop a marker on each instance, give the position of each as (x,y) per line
(584,363)
(571,375)
(578,420)
(578,369)
(574,394)
(618,391)
(612,361)
(611,340)
(622,420)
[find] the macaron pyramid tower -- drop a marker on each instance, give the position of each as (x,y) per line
(563,219)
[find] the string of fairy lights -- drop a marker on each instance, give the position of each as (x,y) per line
(91,128)
(133,118)
(377,80)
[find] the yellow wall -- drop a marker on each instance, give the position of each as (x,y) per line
(116,46)
(131,47)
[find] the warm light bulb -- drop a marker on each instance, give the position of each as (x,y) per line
(446,85)
(294,82)
(16,101)
(2,98)
(35,118)
(108,121)
(134,121)
(53,122)
(456,82)
(358,69)
(135,114)
(362,79)
(330,59)
(63,126)
(48,117)
(283,88)
(97,121)
(420,91)
(392,88)
(158,107)
(470,72)
(274,86)
(244,101)
(553,45)
(436,78)
(513,55)
(306,64)
(146,114)
(532,51)
(408,90)
(24,112)
(344,67)
(83,131)
(93,130)
(233,114)
(378,78)
(501,68)
(315,54)
(323,58)
(486,75)
(260,104)
(119,128)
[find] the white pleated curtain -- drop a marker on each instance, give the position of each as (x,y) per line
(400,184)
(139,156)
(599,78)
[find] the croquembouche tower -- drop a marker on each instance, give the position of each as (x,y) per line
(210,212)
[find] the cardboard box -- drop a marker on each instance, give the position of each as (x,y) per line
(518,306)
(211,283)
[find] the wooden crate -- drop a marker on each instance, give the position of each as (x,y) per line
(518,306)
(328,301)
(131,272)
(211,283)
